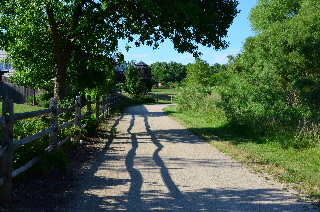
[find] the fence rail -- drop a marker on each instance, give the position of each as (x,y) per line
(103,108)
(162,97)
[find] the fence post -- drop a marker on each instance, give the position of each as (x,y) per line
(107,105)
(97,107)
(109,97)
(89,107)
(54,123)
(78,117)
(111,102)
(6,160)
(115,100)
(115,96)
(34,97)
(103,106)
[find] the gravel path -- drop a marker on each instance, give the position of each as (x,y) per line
(155,164)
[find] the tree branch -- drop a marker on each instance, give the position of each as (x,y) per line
(54,32)
(77,14)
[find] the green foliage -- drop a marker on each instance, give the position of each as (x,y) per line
(129,101)
(273,85)
(165,90)
(31,99)
(201,73)
(198,73)
(70,42)
(23,154)
(168,73)
(44,99)
(52,161)
(27,128)
(202,101)
(268,12)
(92,124)
(134,85)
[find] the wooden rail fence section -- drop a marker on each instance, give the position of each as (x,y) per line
(103,109)
(162,97)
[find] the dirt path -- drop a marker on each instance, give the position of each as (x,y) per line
(155,164)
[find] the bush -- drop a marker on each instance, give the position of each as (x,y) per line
(92,124)
(27,128)
(202,101)
(31,99)
(44,99)
(262,108)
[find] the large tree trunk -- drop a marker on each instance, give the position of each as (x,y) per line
(62,57)
(60,81)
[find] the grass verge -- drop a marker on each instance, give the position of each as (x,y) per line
(164,90)
(163,95)
(23,108)
(299,168)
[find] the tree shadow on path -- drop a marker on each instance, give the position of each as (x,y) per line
(139,198)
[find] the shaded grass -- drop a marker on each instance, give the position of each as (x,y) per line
(163,95)
(164,90)
(22,108)
(300,168)
(127,101)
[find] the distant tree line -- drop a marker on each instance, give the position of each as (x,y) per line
(174,74)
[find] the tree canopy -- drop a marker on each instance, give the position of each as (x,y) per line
(74,40)
(168,72)
(275,79)
(268,12)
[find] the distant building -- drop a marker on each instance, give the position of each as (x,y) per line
(121,72)
(146,74)
(5,67)
(3,55)
(3,64)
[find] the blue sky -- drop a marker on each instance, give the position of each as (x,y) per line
(237,34)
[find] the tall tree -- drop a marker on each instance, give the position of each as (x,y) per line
(168,72)
(268,12)
(199,73)
(275,79)
(46,39)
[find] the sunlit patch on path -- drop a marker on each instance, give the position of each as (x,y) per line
(155,164)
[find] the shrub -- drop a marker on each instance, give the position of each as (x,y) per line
(44,99)
(27,128)
(31,99)
(202,101)
(92,124)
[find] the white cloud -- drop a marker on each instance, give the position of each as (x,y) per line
(219,56)
(182,58)
(141,55)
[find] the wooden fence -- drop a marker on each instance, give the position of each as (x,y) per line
(18,94)
(162,97)
(103,108)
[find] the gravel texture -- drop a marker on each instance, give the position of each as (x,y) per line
(155,164)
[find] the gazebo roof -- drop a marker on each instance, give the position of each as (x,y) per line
(142,65)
